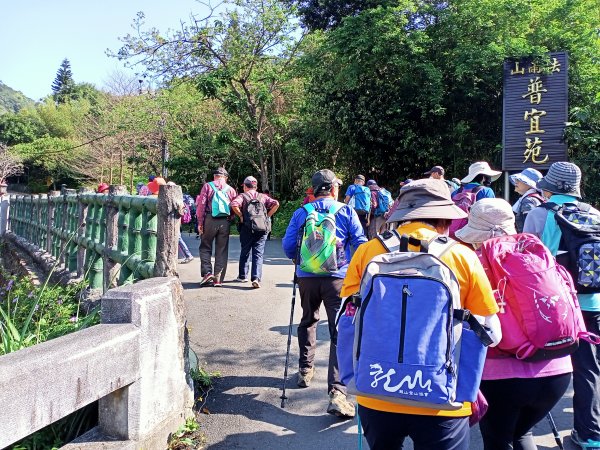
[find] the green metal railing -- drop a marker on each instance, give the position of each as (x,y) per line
(75,229)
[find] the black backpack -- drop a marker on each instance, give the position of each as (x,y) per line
(255,214)
(579,248)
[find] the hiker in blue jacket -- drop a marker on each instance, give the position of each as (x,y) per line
(358,196)
(323,288)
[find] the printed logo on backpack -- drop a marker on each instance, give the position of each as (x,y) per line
(539,312)
(220,201)
(431,360)
(580,244)
(320,251)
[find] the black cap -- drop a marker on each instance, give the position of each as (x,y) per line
(435,169)
(323,180)
(221,171)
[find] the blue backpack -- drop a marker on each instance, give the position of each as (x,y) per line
(361,200)
(220,201)
(384,202)
(405,339)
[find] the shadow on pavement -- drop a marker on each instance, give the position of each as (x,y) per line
(322,330)
(297,428)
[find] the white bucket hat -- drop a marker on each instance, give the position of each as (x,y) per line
(488,218)
(481,168)
(529,176)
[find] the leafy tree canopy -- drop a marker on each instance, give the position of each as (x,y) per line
(419,83)
(63,85)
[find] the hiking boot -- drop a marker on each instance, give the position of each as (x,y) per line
(208,278)
(586,445)
(305,377)
(256,284)
(339,406)
(241,280)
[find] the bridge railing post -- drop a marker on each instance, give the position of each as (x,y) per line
(170,203)
(112,267)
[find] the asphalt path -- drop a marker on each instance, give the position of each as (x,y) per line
(241,333)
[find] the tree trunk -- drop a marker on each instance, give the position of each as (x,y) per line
(264,169)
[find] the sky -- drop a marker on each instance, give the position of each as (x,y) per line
(36,35)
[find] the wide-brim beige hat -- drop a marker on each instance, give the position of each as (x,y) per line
(426,199)
(488,218)
(481,168)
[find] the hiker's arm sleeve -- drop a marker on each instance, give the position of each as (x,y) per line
(535,221)
(201,203)
(353,275)
(237,202)
(290,239)
(479,298)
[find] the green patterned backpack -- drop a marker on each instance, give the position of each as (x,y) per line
(318,251)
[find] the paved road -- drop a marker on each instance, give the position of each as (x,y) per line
(242,333)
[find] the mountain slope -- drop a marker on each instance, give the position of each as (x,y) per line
(11,100)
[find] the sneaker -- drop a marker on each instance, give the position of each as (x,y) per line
(208,278)
(587,445)
(305,377)
(187,260)
(339,406)
(218,284)
(241,280)
(256,284)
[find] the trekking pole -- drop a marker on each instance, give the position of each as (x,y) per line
(289,339)
(555,431)
(289,342)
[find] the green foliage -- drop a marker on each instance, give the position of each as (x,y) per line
(242,60)
(283,216)
(63,85)
(188,436)
(326,14)
(421,83)
(21,128)
(31,314)
(12,101)
(203,378)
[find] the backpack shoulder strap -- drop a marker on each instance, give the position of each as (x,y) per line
(390,239)
(439,245)
(551,206)
(308,208)
(212,185)
(476,189)
(333,209)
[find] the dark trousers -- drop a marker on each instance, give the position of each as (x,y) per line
(515,406)
(586,383)
(387,431)
(215,230)
(251,243)
(363,221)
(313,292)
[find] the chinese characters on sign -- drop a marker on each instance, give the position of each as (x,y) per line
(535,112)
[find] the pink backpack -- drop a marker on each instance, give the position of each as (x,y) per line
(539,311)
(464,199)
